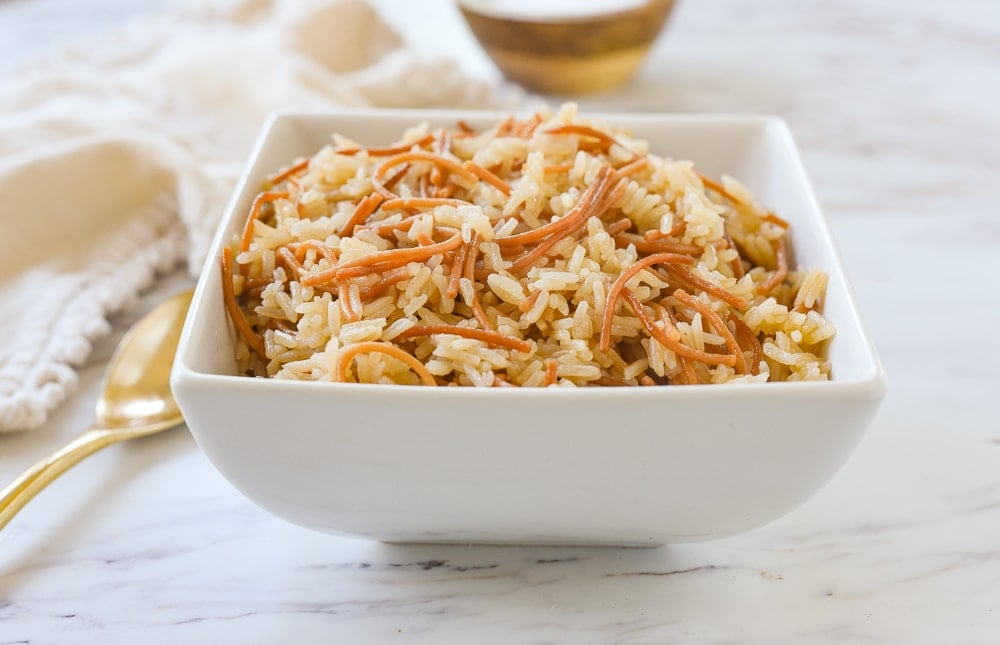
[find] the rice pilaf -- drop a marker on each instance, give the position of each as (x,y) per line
(551,250)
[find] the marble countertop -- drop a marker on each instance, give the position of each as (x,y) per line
(894,105)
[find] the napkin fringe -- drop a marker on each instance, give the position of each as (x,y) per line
(41,372)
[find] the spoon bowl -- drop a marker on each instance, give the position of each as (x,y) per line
(136,393)
(135,401)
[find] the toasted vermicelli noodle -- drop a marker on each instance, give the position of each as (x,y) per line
(546,251)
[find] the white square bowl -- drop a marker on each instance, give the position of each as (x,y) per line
(624,466)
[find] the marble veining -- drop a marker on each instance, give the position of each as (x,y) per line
(894,107)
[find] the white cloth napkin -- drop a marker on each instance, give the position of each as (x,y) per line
(116,160)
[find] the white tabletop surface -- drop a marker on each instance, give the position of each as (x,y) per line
(895,107)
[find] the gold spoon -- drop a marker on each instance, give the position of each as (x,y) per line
(136,401)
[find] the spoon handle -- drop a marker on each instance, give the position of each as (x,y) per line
(20,491)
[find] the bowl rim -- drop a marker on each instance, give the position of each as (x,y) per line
(871,383)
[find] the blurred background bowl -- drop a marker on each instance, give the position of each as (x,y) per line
(564,47)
